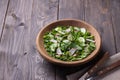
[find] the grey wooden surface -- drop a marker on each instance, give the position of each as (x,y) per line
(21,20)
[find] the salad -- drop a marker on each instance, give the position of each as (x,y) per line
(69,43)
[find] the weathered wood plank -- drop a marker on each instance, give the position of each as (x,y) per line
(20,58)
(97,13)
(3,10)
(69,9)
(17,65)
(115,14)
(44,12)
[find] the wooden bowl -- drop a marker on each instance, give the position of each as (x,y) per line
(71,22)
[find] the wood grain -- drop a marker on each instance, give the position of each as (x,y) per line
(14,43)
(115,14)
(44,12)
(97,13)
(71,9)
(3,11)
(20,57)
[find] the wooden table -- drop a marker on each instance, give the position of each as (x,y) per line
(21,20)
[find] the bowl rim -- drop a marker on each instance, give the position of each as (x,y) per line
(57,61)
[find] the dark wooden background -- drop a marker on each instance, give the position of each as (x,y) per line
(21,20)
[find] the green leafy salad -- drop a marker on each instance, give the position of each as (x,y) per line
(69,43)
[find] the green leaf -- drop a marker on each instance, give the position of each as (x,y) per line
(92,44)
(53,47)
(81,39)
(60,41)
(70,37)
